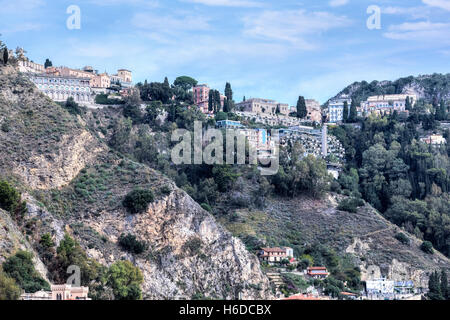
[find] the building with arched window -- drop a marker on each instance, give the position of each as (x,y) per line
(60,88)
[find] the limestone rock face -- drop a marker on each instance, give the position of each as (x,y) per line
(57,170)
(190,252)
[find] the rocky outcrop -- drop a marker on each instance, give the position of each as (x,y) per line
(12,240)
(190,252)
(57,170)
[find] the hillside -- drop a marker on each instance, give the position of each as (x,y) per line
(74,183)
(364,239)
(428,87)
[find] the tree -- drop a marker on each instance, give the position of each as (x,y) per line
(229,95)
(125,281)
(185,82)
(5,55)
(444,285)
(345,112)
(9,196)
(408,105)
(71,106)
(130,243)
(48,63)
(301,108)
(427,247)
(434,287)
(211,101)
(353,111)
(166,91)
(20,267)
(137,201)
(217,101)
(9,290)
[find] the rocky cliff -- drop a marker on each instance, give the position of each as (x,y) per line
(73,183)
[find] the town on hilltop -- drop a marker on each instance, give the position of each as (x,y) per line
(349,160)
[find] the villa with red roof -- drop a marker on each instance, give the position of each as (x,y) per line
(317,272)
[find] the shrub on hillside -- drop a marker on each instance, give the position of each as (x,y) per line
(71,106)
(350,205)
(20,267)
(427,247)
(9,196)
(402,238)
(137,201)
(131,244)
(8,288)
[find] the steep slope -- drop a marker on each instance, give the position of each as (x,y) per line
(427,87)
(74,183)
(365,237)
(12,240)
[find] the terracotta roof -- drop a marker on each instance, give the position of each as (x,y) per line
(317,268)
(273,249)
(302,297)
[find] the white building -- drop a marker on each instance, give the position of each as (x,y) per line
(59,88)
(380,286)
(336,109)
(385,104)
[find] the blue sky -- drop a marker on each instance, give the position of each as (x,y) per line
(277,49)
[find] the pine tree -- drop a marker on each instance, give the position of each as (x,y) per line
(353,111)
(434,287)
(301,107)
(48,63)
(345,115)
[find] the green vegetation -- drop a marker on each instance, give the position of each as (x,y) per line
(9,290)
(438,286)
(137,201)
(131,244)
(10,200)
(402,238)
(402,177)
(350,204)
(71,106)
(125,281)
(302,112)
(103,99)
(427,247)
(20,267)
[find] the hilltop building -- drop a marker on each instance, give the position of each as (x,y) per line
(201,97)
(336,109)
(263,106)
(385,104)
(59,292)
(317,272)
(59,88)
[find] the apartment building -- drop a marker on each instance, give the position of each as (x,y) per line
(263,106)
(201,98)
(385,104)
(336,109)
(60,88)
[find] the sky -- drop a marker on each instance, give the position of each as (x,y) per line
(275,49)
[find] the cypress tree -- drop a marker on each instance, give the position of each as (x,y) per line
(217,101)
(5,56)
(353,111)
(301,107)
(210,101)
(345,115)
(408,105)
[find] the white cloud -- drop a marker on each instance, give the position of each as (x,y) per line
(413,12)
(142,3)
(443,4)
(423,30)
(292,26)
(338,3)
(228,3)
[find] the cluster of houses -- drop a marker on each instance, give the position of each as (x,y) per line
(378,105)
(60,83)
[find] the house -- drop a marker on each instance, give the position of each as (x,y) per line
(317,272)
(276,255)
(59,292)
(434,140)
(336,109)
(385,104)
